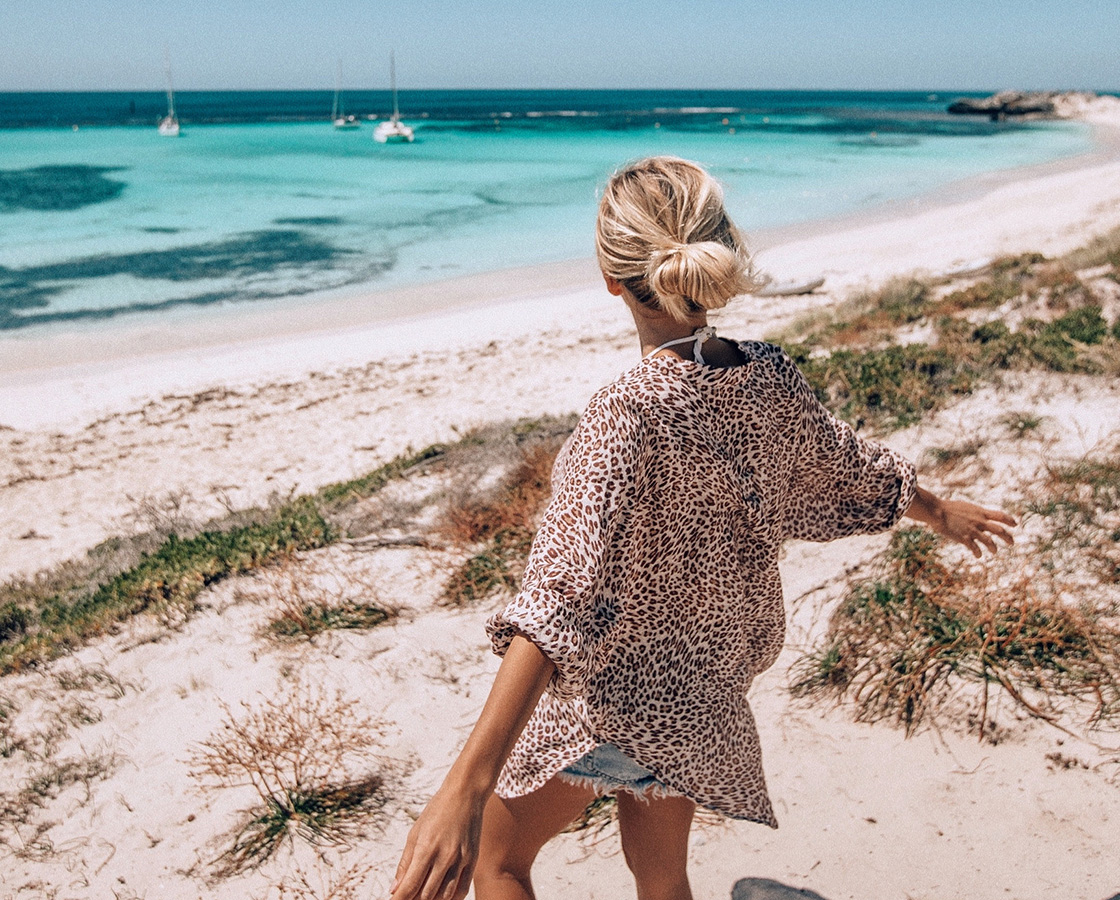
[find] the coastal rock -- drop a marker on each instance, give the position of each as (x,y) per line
(1007,103)
(768,889)
(1040,104)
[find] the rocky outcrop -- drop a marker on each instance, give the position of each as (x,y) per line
(1033,104)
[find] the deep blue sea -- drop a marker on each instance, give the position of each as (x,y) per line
(260,198)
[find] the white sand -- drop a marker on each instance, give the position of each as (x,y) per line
(291,406)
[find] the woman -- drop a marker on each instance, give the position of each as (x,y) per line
(651,597)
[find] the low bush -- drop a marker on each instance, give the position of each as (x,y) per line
(503,520)
(310,757)
(919,638)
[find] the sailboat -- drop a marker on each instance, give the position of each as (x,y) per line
(169,124)
(341,121)
(393,129)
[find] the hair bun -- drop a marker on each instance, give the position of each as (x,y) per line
(688,278)
(663,232)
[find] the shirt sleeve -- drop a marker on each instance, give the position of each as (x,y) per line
(840,484)
(556,606)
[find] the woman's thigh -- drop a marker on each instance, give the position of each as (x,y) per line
(655,836)
(514,830)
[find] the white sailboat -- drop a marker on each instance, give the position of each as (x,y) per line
(169,124)
(393,129)
(342,121)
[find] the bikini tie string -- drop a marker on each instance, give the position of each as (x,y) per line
(698,338)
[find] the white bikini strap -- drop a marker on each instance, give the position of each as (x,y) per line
(698,338)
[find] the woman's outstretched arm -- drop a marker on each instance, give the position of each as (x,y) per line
(961,521)
(442,847)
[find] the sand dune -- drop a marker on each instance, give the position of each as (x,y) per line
(93,449)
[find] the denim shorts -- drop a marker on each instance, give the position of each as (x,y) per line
(607,769)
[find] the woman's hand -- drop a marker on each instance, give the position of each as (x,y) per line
(442,848)
(961,521)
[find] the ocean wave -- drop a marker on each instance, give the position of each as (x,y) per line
(695,110)
(561,113)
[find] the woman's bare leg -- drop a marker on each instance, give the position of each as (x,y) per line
(655,843)
(513,832)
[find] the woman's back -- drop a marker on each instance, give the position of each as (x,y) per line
(653,581)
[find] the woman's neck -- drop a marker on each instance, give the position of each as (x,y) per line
(655,330)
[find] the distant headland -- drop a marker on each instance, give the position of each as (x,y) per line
(1103,108)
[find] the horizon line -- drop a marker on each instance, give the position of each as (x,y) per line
(330,89)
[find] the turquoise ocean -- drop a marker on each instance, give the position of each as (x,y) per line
(260,200)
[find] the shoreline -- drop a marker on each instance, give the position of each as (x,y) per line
(58,378)
(188,432)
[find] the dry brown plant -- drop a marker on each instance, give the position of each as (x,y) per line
(308,597)
(307,755)
(503,520)
(351,883)
(599,820)
(919,640)
(23,829)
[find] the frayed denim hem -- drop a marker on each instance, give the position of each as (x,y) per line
(606,769)
(644,790)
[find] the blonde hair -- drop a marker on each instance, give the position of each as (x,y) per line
(663,232)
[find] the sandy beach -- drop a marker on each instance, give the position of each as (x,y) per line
(97,426)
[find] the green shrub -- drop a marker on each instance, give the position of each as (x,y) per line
(905,644)
(372,482)
(891,387)
(1085,325)
(14,620)
(172,576)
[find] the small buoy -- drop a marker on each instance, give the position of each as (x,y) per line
(730,130)
(725,120)
(75,127)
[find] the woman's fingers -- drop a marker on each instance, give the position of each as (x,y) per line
(1000,516)
(415,876)
(456,885)
(411,882)
(406,860)
(975,527)
(429,874)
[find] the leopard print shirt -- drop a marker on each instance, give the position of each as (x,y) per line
(653,580)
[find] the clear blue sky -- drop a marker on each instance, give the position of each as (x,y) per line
(285,44)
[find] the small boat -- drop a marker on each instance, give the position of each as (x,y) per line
(339,118)
(169,124)
(393,129)
(789,288)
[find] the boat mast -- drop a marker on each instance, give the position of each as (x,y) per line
(170,86)
(393,86)
(337,91)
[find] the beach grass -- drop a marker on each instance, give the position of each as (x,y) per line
(307,598)
(162,571)
(167,580)
(57,611)
(862,371)
(503,521)
(920,639)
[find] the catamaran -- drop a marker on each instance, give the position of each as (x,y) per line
(393,129)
